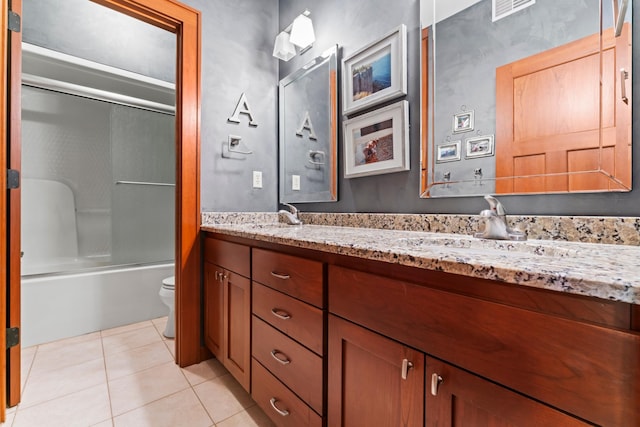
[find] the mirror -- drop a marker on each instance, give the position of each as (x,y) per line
(308,131)
(513,102)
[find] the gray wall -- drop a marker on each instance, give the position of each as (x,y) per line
(237,40)
(351,25)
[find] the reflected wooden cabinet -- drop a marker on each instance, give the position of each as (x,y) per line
(227,306)
(372,380)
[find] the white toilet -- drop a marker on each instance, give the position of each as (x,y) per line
(168,296)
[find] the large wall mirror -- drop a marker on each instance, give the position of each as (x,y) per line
(308,131)
(525,97)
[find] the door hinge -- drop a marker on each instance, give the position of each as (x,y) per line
(13,337)
(13,179)
(14,22)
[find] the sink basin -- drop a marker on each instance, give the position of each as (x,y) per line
(537,248)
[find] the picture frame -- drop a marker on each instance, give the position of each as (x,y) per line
(449,152)
(463,122)
(375,73)
(377,142)
(480,146)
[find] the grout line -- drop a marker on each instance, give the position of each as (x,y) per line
(104,359)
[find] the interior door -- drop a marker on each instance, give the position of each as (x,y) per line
(548,118)
(14,70)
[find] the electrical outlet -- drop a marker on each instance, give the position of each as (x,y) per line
(257,179)
(295,182)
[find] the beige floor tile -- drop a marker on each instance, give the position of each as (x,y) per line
(8,419)
(160,324)
(131,361)
(26,359)
(203,371)
(50,385)
(107,423)
(66,341)
(182,409)
(171,345)
(50,358)
(131,339)
(81,409)
(126,328)
(223,397)
(252,417)
(134,391)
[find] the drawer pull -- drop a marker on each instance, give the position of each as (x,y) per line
(284,361)
(280,314)
(406,365)
(280,275)
(436,380)
(282,412)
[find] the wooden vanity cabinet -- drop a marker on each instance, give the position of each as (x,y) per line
(499,364)
(227,306)
(288,341)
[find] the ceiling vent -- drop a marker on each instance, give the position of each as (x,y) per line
(502,8)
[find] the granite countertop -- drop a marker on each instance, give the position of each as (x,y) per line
(592,269)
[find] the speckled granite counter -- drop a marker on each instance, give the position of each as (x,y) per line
(598,270)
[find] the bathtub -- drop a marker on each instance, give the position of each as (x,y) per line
(63,305)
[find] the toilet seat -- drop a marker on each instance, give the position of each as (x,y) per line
(169,283)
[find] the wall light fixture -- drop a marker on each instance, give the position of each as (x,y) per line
(300,33)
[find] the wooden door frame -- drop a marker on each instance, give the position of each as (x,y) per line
(186,23)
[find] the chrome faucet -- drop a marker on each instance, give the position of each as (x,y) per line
(495,223)
(292,215)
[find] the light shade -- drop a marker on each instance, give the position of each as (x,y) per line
(302,34)
(283,48)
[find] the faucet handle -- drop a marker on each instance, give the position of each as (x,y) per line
(495,205)
(292,208)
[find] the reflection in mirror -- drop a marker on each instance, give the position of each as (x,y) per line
(513,102)
(308,131)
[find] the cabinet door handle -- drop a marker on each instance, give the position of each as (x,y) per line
(406,365)
(436,380)
(280,275)
(283,361)
(216,275)
(282,412)
(280,314)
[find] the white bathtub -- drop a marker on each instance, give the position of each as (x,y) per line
(65,305)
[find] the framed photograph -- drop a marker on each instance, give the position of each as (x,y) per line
(377,142)
(449,152)
(481,146)
(376,73)
(463,122)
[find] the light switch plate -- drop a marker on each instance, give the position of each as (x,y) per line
(295,182)
(257,179)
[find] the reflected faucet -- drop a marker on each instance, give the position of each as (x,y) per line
(495,223)
(292,215)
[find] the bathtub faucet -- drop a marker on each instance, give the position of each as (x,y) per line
(495,223)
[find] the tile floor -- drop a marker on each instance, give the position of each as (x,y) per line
(127,376)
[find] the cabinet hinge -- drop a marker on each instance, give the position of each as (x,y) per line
(14,22)
(13,337)
(13,179)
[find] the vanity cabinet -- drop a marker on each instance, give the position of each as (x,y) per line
(227,306)
(497,363)
(288,338)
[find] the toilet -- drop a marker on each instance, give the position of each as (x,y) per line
(168,297)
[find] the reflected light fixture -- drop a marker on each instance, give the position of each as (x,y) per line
(300,33)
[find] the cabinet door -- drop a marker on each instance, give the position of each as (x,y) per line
(237,327)
(367,383)
(213,309)
(458,398)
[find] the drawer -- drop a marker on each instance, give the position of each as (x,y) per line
(552,359)
(299,320)
(298,277)
(230,256)
(293,364)
(274,398)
